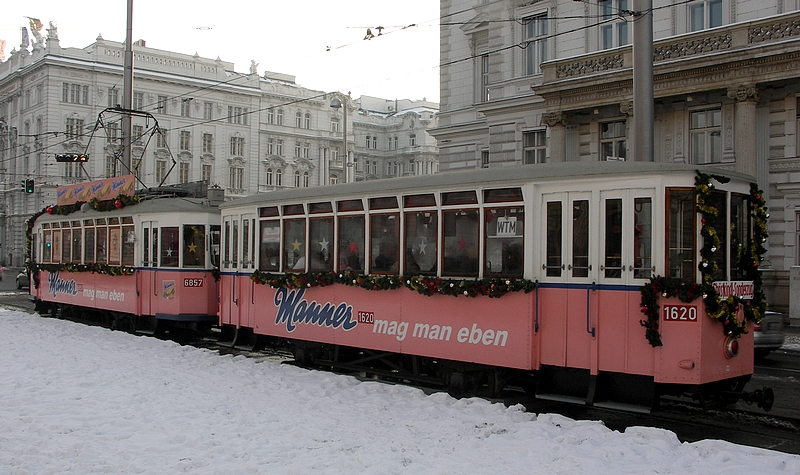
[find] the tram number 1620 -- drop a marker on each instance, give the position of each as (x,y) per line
(680,313)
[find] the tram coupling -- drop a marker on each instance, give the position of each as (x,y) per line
(764,397)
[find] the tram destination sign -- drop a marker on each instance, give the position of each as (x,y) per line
(737,288)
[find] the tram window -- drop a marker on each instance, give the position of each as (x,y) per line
(214,239)
(294,245)
(580,238)
(194,245)
(293,210)
(421,232)
(66,245)
(56,245)
(740,236)
(321,244)
(642,238)
(416,201)
(101,244)
(502,195)
(270,245)
(324,207)
(461,240)
(226,259)
(350,205)
(268,212)
(169,246)
(459,198)
(351,243)
(681,234)
(146,247)
(47,251)
(246,243)
(76,241)
(88,241)
(504,241)
(383,203)
(128,241)
(384,243)
(554,244)
(719,200)
(234,243)
(613,266)
(114,242)
(154,248)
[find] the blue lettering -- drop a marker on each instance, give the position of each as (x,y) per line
(62,286)
(293,309)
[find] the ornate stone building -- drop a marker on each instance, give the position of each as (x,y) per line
(526,82)
(200,120)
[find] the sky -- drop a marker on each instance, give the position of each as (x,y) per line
(289,37)
(88,400)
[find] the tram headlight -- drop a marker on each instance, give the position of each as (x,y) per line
(731,347)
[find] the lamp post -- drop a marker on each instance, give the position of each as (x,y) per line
(336,104)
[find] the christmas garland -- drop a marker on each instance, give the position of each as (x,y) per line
(722,310)
(119,202)
(492,287)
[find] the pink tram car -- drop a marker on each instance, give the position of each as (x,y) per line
(607,284)
(146,266)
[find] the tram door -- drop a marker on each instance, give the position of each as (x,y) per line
(568,275)
(626,263)
(149,275)
(230,291)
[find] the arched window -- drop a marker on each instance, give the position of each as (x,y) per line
(297,179)
(278,177)
(298,120)
(307,121)
(305,179)
(269,176)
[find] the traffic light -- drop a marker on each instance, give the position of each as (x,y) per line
(29,186)
(72,157)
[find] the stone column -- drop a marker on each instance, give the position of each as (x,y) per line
(744,128)
(556,122)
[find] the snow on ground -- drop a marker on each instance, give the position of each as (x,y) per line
(80,399)
(791,342)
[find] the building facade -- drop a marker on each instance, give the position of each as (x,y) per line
(196,119)
(526,82)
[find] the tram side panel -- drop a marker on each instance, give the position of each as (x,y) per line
(622,345)
(182,294)
(693,350)
(89,290)
(497,332)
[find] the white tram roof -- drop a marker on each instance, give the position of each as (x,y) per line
(151,206)
(477,178)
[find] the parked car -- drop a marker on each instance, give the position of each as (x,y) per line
(769,334)
(23,281)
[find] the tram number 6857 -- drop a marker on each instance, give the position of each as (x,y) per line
(680,313)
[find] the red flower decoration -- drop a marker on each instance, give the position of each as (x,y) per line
(118,204)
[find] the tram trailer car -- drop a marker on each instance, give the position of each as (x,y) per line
(393,277)
(145,267)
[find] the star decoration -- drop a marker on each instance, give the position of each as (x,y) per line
(169,252)
(462,244)
(323,245)
(353,247)
(192,247)
(296,245)
(423,243)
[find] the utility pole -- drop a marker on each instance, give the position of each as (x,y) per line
(643,95)
(127,92)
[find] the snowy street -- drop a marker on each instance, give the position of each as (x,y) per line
(86,400)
